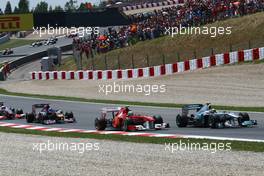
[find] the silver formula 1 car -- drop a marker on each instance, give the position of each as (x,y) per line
(199,115)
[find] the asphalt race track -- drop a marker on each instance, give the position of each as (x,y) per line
(28,50)
(87,112)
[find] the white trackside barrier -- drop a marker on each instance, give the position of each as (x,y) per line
(160,70)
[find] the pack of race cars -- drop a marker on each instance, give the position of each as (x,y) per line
(123,118)
(41,113)
(50,41)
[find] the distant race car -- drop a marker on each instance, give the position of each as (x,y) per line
(7,51)
(199,115)
(122,118)
(48,116)
(7,113)
(37,44)
(51,41)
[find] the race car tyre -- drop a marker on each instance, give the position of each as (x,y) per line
(245,116)
(100,124)
(181,121)
(30,118)
(19,111)
(206,122)
(158,119)
(69,115)
(216,122)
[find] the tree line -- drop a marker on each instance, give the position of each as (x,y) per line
(43,7)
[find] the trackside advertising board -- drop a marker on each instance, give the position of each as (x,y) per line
(16,22)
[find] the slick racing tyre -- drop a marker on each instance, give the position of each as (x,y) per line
(30,118)
(216,122)
(69,115)
(181,121)
(100,124)
(158,119)
(244,116)
(19,111)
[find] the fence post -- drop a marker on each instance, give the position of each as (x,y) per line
(194,54)
(118,61)
(178,56)
(163,59)
(132,60)
(93,66)
(212,51)
(81,59)
(249,44)
(106,67)
(230,47)
(147,60)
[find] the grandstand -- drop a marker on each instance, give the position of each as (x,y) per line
(148,26)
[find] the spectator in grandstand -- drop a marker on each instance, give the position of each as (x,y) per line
(150,25)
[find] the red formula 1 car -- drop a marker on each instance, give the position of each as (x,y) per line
(7,113)
(124,119)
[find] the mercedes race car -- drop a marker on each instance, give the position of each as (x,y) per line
(43,113)
(122,118)
(199,115)
(7,113)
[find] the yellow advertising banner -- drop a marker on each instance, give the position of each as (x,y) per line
(16,22)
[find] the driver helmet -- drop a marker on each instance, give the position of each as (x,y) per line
(213,110)
(50,110)
(130,113)
(46,107)
(209,106)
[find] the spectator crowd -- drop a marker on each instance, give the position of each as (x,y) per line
(147,26)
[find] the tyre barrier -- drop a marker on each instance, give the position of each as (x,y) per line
(150,5)
(167,69)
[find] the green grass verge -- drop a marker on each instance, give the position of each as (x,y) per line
(235,145)
(15,43)
(169,105)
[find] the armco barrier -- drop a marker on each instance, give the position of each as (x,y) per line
(150,5)
(34,57)
(188,65)
(23,60)
(4,38)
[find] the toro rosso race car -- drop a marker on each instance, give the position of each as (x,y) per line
(199,115)
(7,113)
(122,118)
(46,115)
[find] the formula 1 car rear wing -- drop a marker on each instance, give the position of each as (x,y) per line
(37,106)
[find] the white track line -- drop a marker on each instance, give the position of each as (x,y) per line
(61,130)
